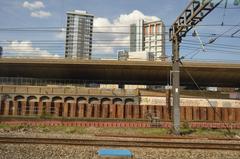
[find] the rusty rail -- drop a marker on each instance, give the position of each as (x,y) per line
(123,143)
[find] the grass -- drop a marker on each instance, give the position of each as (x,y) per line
(154,132)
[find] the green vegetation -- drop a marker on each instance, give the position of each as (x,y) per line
(153,132)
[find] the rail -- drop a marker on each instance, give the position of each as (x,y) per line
(124,143)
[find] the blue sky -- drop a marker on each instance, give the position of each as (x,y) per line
(52,13)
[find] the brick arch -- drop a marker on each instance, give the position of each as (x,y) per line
(54,107)
(44,105)
(69,100)
(19,98)
(32,98)
(20,105)
(57,99)
(105,101)
(129,101)
(93,100)
(69,109)
(117,101)
(105,107)
(6,97)
(7,105)
(81,107)
(81,100)
(44,99)
(32,105)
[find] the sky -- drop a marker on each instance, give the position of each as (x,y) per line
(42,27)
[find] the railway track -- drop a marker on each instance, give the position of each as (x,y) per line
(170,137)
(123,143)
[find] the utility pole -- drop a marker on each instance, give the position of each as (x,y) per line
(190,17)
(176,84)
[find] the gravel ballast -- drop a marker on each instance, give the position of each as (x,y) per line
(29,151)
(40,151)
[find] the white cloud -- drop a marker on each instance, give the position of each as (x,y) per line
(35,9)
(62,34)
(25,49)
(127,19)
(120,24)
(40,14)
(34,5)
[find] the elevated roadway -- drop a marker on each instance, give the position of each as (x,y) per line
(121,72)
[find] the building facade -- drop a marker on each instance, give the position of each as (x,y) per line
(79,35)
(1,50)
(154,39)
(149,37)
(137,36)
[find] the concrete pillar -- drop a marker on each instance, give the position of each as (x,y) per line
(168,102)
(113,111)
(31,109)
(36,108)
(56,109)
(105,108)
(40,108)
(136,111)
(125,111)
(144,111)
(81,110)
(15,105)
(128,111)
(6,108)
(73,110)
(89,110)
(120,111)
(48,108)
(97,110)
(77,110)
(158,111)
(65,110)
(23,108)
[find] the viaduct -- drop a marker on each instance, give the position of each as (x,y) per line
(122,72)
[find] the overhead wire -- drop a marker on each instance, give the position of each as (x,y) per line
(59,28)
(211,41)
(224,12)
(204,96)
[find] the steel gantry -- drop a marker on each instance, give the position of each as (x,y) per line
(190,17)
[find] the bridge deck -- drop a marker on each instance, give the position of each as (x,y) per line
(125,72)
